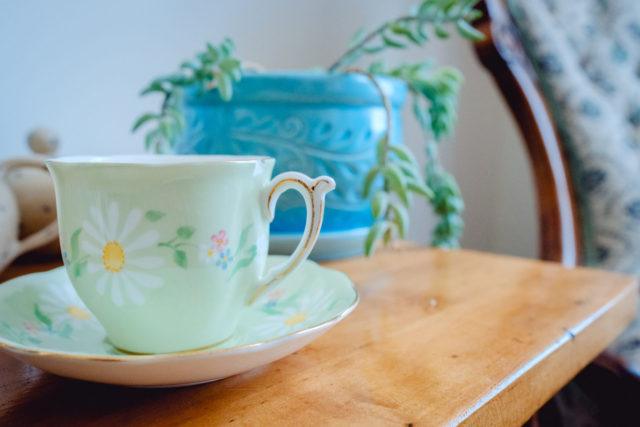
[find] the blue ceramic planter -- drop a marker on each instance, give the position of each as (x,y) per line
(315,123)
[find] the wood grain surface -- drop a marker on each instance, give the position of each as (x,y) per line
(439,338)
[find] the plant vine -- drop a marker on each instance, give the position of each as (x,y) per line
(434,93)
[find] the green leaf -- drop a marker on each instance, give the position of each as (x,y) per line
(420,188)
(180,258)
(369,179)
(75,243)
(397,182)
(142,120)
(410,171)
(42,318)
(389,42)
(401,219)
(157,85)
(185,232)
(153,140)
(188,65)
(357,38)
(441,31)
(467,30)
(376,232)
(388,235)
(403,153)
(371,50)
(381,149)
(376,67)
(153,215)
(403,31)
(225,86)
(379,204)
(228,65)
(473,15)
(227,47)
(177,117)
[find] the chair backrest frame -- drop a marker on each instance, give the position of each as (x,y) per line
(501,53)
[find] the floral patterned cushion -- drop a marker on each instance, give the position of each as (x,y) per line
(586,55)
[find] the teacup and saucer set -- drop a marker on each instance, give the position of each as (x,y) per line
(167,280)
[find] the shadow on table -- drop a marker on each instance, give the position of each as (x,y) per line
(29,396)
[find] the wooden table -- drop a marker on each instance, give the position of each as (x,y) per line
(439,337)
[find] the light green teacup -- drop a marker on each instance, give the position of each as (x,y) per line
(167,250)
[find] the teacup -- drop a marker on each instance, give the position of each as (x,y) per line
(167,250)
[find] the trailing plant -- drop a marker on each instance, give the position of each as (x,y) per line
(434,94)
(215,68)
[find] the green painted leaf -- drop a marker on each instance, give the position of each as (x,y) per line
(42,318)
(244,262)
(78,268)
(185,232)
(153,215)
(270,310)
(75,243)
(243,239)
(65,331)
(180,258)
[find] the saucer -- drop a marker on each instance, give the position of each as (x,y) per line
(44,323)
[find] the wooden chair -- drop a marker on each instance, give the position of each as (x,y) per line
(502,54)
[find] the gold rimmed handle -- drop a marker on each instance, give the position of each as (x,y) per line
(313,192)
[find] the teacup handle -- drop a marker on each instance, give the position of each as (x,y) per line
(313,192)
(40,237)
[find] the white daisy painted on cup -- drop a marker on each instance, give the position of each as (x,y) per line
(307,310)
(117,252)
(63,305)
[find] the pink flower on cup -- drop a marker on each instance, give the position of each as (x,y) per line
(219,241)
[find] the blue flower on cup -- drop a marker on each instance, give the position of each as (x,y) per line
(224,259)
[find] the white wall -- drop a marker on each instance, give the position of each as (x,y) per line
(77,66)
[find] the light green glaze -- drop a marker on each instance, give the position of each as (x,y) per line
(164,254)
(43,312)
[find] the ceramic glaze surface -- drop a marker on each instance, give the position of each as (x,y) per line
(43,320)
(165,251)
(315,123)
